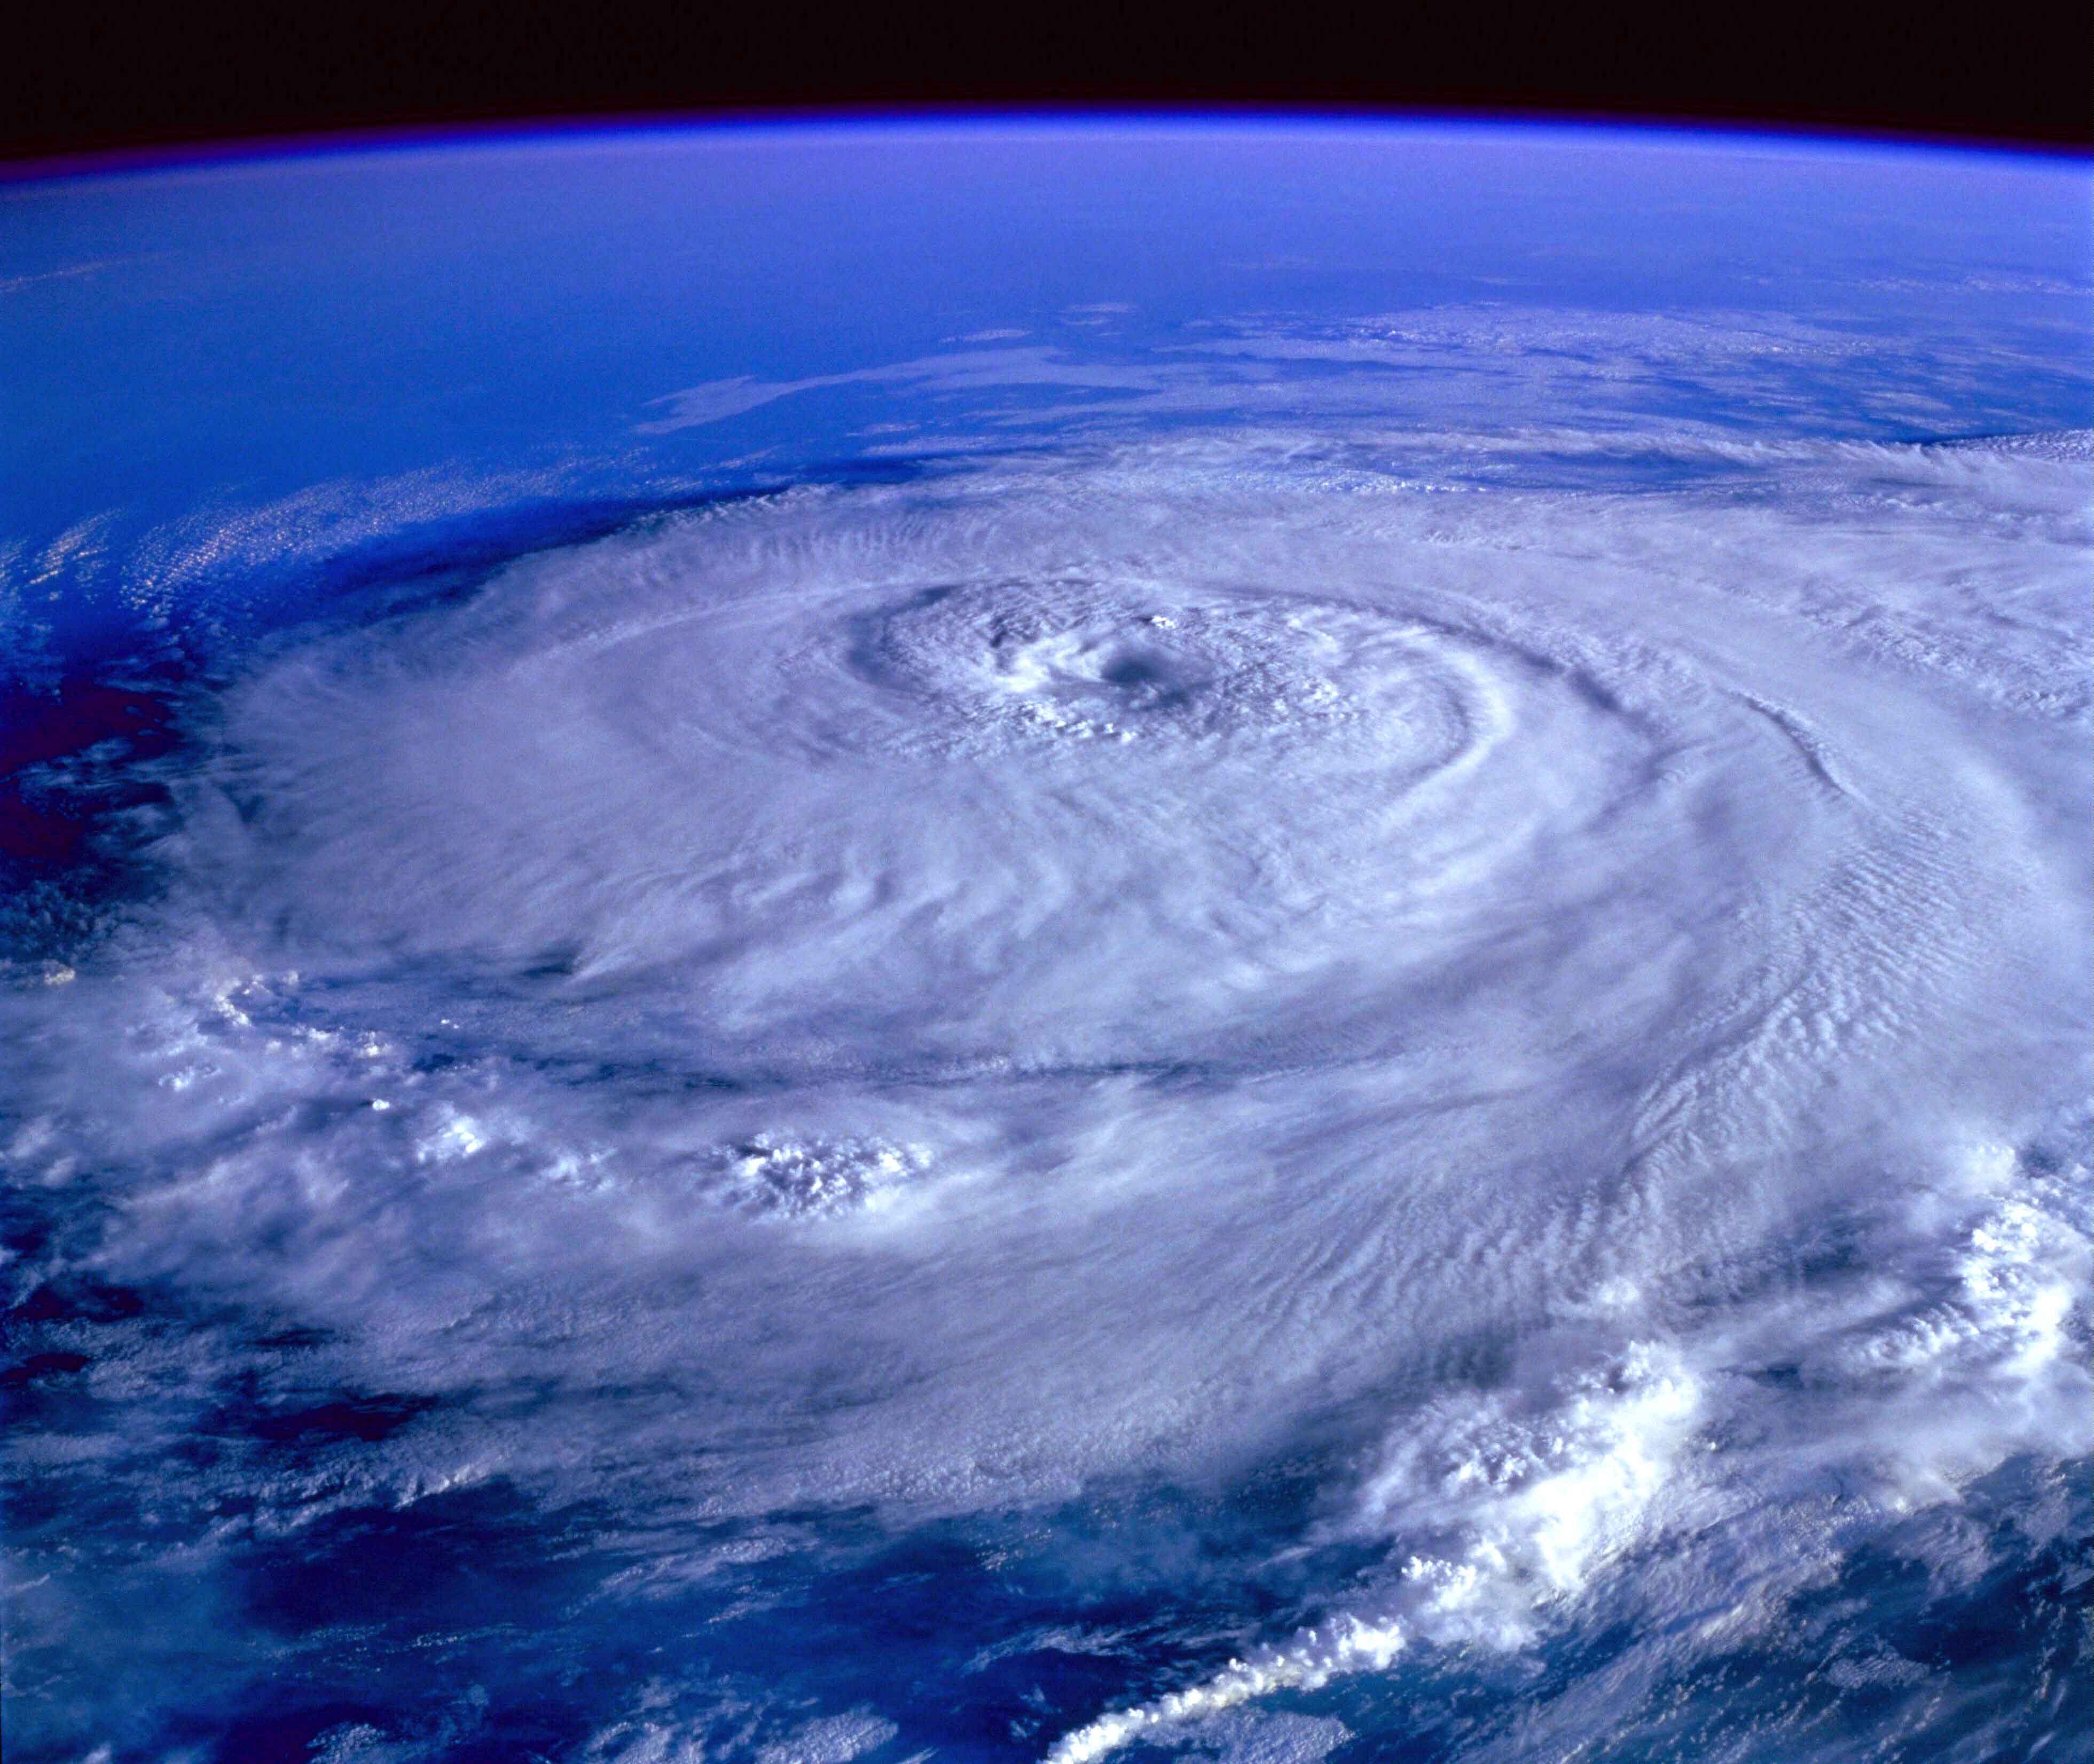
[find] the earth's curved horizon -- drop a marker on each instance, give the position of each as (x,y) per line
(1045,937)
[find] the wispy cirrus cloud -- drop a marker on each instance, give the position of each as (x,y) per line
(715,400)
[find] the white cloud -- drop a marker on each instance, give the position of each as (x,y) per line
(917,998)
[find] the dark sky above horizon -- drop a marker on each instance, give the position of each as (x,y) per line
(102,75)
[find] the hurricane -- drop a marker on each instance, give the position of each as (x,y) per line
(1256,1089)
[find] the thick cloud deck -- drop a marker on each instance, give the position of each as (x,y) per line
(1547,1023)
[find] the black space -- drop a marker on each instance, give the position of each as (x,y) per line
(94,76)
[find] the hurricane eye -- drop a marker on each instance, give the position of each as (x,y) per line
(1133,672)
